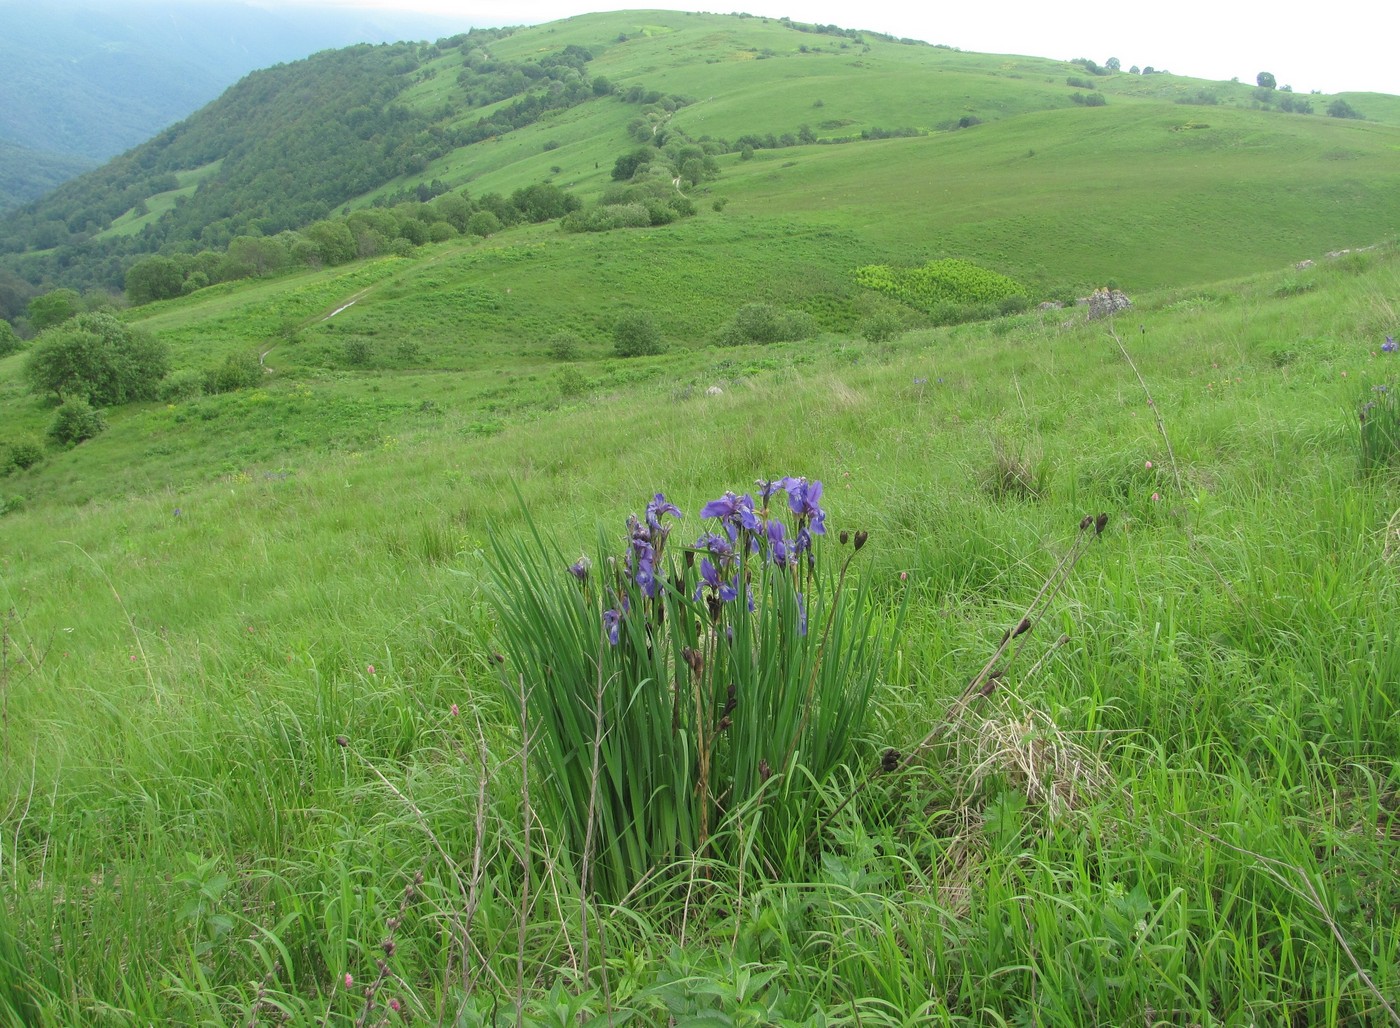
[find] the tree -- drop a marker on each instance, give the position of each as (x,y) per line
(97,358)
(333,241)
(76,421)
(155,278)
(626,166)
(483,223)
(1134,70)
(1339,108)
(54,308)
(635,335)
(1266,80)
(1113,64)
(9,342)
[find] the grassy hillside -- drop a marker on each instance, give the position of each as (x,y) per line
(262,753)
(244,679)
(370,125)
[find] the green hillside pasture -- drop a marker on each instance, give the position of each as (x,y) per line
(131,223)
(1131,194)
(1228,695)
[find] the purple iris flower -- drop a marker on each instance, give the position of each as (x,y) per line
(766,489)
(611,620)
(1390,345)
(718,546)
(641,558)
(710,575)
(804,498)
(778,548)
(658,506)
(734,511)
(579,569)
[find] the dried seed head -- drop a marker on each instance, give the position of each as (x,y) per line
(725,723)
(860,537)
(1100,522)
(715,605)
(764,771)
(499,658)
(342,741)
(388,947)
(1023,627)
(889,760)
(694,659)
(1005,635)
(1085,522)
(845,537)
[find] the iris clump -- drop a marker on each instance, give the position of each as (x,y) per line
(693,699)
(1379,417)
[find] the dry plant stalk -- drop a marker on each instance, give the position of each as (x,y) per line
(984,682)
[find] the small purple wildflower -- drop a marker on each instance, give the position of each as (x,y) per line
(1390,345)
(735,512)
(779,551)
(579,569)
(803,498)
(921,381)
(658,506)
(611,620)
(720,548)
(710,578)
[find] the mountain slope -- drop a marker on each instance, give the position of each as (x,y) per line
(88,81)
(1002,158)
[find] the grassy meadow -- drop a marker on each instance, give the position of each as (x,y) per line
(249,699)
(262,758)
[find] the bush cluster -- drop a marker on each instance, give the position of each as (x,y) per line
(764,323)
(96,357)
(23,454)
(76,421)
(635,335)
(939,284)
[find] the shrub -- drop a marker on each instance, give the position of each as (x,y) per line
(764,323)
(23,455)
(358,352)
(76,421)
(180,385)
(571,383)
(939,284)
(635,335)
(565,346)
(881,327)
(483,223)
(97,357)
(1341,109)
(720,695)
(238,371)
(9,341)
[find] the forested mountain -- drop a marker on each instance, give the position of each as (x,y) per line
(84,80)
(590,103)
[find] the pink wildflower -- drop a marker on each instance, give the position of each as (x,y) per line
(1148,465)
(1156,497)
(369,668)
(904,576)
(349,981)
(455,711)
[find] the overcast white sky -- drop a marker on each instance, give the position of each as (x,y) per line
(1331,47)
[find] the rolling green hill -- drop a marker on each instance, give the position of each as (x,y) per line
(291,645)
(497,111)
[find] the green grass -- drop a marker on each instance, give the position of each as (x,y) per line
(1182,809)
(248,683)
